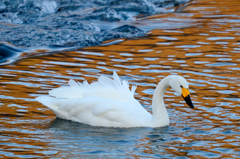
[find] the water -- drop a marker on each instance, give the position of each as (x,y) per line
(41,23)
(202,45)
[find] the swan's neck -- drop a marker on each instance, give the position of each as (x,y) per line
(160,115)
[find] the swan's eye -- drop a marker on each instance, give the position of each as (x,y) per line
(181,86)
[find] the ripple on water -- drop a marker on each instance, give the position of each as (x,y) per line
(206,55)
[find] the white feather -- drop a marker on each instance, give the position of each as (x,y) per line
(108,102)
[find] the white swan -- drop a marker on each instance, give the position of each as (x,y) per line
(110,103)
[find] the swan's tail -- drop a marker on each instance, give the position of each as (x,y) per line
(49,102)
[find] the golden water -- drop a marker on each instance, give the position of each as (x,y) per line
(201,41)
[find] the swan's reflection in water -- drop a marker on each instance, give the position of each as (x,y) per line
(83,139)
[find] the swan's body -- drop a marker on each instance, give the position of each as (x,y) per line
(110,103)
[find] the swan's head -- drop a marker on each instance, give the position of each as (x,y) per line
(180,85)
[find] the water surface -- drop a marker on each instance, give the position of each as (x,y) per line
(202,45)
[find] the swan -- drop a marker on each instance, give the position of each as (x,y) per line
(110,103)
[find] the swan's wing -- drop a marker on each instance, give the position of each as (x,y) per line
(93,111)
(105,87)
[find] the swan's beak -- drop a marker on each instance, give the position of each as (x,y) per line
(186,96)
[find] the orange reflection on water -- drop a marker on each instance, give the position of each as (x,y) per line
(206,53)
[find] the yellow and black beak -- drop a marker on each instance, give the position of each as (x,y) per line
(186,96)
